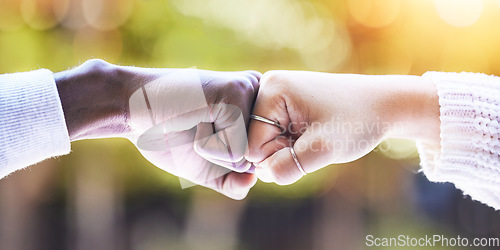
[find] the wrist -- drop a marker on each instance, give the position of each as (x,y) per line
(411,105)
(94,100)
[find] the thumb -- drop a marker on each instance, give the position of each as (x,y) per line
(312,151)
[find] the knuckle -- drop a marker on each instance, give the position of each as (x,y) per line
(254,154)
(254,72)
(274,78)
(240,85)
(255,76)
(238,89)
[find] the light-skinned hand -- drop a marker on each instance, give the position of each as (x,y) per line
(335,118)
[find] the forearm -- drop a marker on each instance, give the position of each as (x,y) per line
(94,100)
(411,105)
(405,106)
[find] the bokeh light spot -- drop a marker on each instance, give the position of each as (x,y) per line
(89,43)
(459,13)
(40,14)
(107,14)
(10,15)
(374,13)
(398,148)
(70,12)
(374,58)
(464,56)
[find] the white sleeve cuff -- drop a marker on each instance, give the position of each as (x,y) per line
(32,124)
(469,153)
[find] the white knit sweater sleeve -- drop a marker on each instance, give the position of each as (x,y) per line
(469,155)
(32,125)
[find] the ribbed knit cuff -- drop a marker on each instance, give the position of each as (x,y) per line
(469,154)
(32,125)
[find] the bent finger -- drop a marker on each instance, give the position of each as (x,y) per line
(311,155)
(233,185)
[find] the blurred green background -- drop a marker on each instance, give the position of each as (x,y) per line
(104,195)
